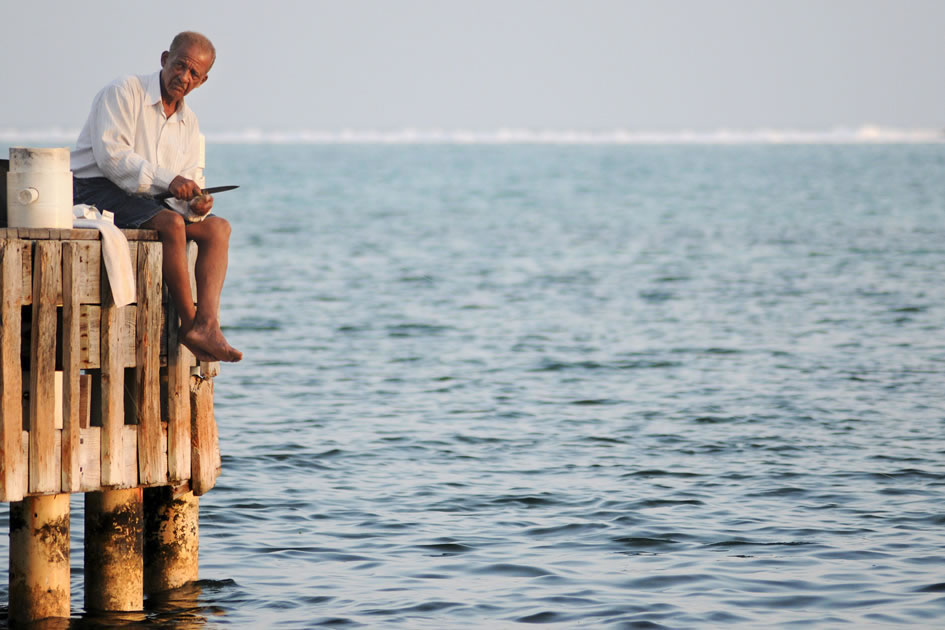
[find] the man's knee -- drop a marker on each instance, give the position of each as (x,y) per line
(166,222)
(219,227)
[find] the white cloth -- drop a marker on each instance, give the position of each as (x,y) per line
(115,251)
(128,139)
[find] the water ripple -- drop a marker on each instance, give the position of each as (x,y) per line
(615,387)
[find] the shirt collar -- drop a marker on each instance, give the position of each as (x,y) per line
(154,97)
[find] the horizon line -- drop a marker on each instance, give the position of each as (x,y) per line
(862,134)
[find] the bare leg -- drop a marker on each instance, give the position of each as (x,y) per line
(199,326)
(213,242)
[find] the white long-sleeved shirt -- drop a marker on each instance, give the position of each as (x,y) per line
(128,139)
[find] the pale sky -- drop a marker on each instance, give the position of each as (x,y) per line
(486,64)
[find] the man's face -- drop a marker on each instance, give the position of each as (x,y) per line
(184,70)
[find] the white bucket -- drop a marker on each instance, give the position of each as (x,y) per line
(39,188)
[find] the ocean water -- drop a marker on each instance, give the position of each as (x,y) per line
(492,386)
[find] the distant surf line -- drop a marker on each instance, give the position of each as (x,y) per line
(864,134)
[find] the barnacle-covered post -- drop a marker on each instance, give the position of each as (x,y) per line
(114,565)
(171,534)
(39,558)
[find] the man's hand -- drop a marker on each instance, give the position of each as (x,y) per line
(183,188)
(202,205)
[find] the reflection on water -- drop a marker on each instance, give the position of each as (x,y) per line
(190,607)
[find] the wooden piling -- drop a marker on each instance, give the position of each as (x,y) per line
(114,565)
(171,539)
(39,558)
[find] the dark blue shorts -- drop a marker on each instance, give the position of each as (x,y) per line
(130,210)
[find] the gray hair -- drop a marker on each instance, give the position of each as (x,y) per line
(187,38)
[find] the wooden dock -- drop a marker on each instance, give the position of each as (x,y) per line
(96,399)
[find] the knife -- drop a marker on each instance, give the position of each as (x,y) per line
(206,191)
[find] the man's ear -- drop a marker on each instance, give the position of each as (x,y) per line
(204,80)
(164,58)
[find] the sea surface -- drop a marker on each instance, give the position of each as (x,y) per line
(574,386)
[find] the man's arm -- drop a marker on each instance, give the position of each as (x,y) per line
(113,137)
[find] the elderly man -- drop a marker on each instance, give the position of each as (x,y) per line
(141,139)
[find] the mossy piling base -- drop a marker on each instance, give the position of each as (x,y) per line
(114,564)
(39,558)
(171,539)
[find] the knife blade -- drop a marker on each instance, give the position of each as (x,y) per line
(207,191)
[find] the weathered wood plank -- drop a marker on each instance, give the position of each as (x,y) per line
(57,407)
(90,451)
(209,369)
(112,371)
(72,234)
(216,458)
(43,458)
(89,285)
(130,456)
(91,335)
(179,363)
(179,360)
(58,234)
(141,235)
(204,455)
(25,455)
(71,403)
(25,451)
(90,454)
(133,251)
(90,332)
(26,277)
(13,467)
(152,465)
(85,400)
(33,234)
(79,234)
(89,347)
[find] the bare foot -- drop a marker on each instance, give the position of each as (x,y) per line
(199,354)
(208,344)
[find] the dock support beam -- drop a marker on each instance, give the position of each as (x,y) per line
(39,558)
(171,539)
(114,565)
